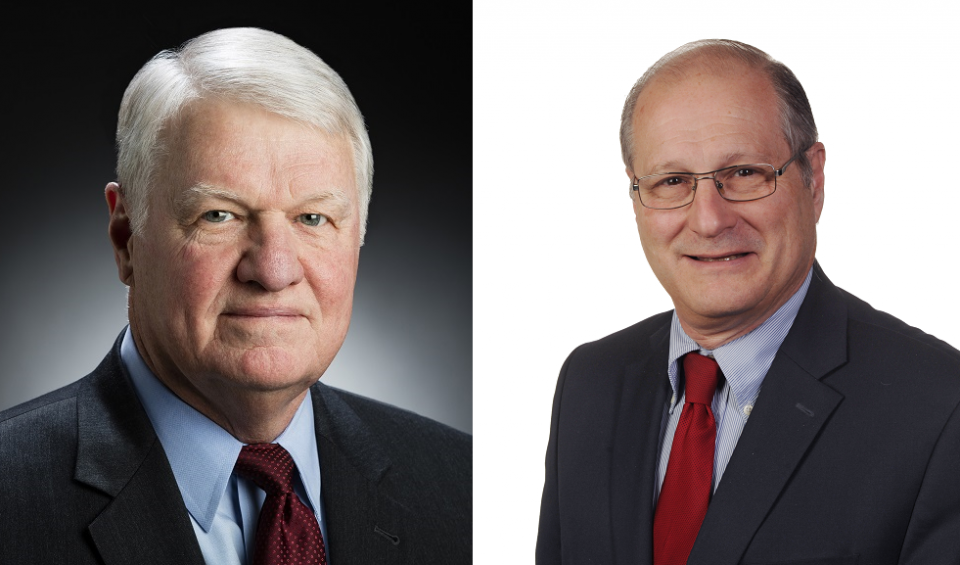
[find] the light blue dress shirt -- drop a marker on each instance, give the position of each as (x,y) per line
(223,508)
(744,363)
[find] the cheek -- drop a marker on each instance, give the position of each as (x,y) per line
(658,228)
(637,209)
(201,274)
(332,279)
(790,224)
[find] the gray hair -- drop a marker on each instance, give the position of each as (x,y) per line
(796,117)
(246,65)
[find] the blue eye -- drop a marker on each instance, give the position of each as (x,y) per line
(217,216)
(313,219)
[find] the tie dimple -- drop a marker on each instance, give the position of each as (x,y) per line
(287,531)
(701,375)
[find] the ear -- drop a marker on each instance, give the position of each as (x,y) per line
(817,156)
(120,232)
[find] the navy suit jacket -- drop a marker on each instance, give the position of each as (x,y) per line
(851,454)
(84,479)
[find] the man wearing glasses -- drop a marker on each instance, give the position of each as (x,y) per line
(771,417)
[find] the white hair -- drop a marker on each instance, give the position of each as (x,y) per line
(247,65)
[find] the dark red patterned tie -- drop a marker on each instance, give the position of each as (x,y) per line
(689,480)
(287,533)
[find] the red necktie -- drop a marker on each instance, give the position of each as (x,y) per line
(287,532)
(689,480)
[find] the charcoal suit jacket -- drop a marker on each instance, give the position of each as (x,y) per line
(851,453)
(84,479)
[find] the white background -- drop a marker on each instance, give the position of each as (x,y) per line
(557,260)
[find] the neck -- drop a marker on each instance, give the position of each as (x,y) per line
(250,415)
(711,334)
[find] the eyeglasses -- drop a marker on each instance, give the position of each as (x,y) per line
(739,183)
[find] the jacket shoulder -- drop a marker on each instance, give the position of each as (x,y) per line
(41,404)
(429,455)
(631,344)
(869,318)
(32,432)
(398,426)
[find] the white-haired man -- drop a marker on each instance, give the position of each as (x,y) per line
(770,417)
(244,175)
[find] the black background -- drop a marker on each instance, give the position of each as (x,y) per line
(409,69)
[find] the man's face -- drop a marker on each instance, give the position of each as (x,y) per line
(244,274)
(726,265)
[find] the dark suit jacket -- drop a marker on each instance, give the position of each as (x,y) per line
(851,453)
(84,479)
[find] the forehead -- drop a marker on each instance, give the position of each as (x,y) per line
(245,146)
(706,112)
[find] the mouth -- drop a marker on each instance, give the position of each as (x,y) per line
(717,258)
(263,312)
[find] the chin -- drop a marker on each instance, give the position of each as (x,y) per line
(718,303)
(275,368)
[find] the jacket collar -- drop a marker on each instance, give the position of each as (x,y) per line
(118,453)
(646,391)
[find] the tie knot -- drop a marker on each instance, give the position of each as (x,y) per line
(268,465)
(701,374)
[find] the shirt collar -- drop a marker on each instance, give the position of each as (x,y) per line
(202,455)
(745,360)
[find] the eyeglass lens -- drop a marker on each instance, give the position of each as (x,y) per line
(739,183)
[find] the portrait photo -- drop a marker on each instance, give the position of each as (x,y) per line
(570,269)
(409,70)
(247,200)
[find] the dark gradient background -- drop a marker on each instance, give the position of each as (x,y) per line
(409,69)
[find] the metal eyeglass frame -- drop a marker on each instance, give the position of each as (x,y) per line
(718,185)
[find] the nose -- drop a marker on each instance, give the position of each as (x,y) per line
(272,259)
(709,214)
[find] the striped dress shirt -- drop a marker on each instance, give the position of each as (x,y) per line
(744,363)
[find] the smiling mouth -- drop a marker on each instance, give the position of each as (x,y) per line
(715,259)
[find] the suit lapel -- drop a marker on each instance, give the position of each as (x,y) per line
(643,395)
(364,524)
(118,453)
(792,408)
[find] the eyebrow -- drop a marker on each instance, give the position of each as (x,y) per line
(734,158)
(189,198)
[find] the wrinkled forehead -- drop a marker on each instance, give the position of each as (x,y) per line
(228,146)
(193,123)
(216,129)
(707,102)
